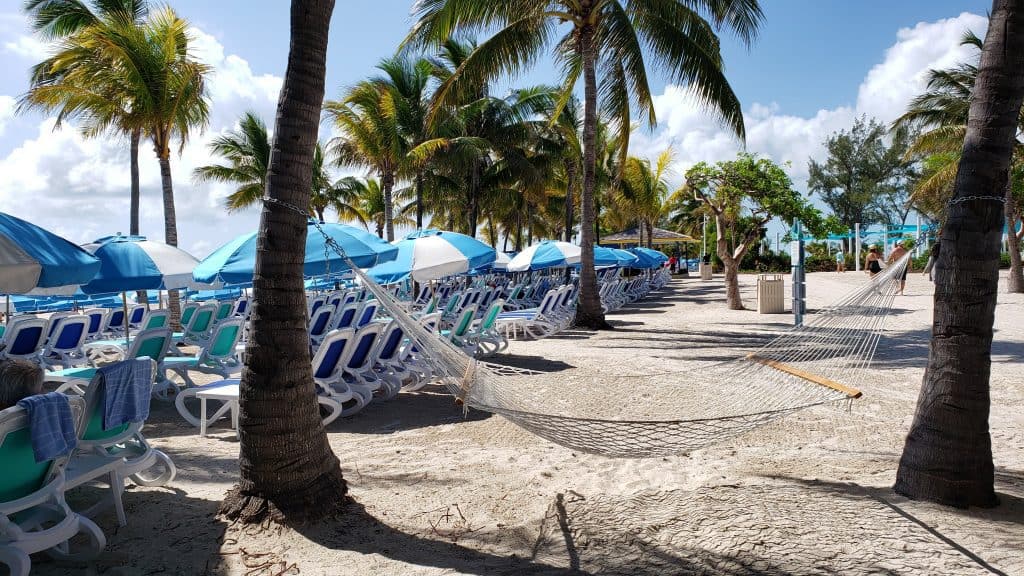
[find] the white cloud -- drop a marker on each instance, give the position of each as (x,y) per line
(15,41)
(85,183)
(884,93)
(7,106)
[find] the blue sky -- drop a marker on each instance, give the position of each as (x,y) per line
(814,67)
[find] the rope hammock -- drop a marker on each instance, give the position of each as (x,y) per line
(820,362)
(817,363)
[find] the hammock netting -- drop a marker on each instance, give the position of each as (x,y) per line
(820,362)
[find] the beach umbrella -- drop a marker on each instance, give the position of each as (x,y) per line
(605,257)
(135,263)
(501,261)
(37,261)
(547,254)
(626,258)
(234,262)
(431,254)
(647,258)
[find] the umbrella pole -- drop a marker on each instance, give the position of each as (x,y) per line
(7,312)
(124,306)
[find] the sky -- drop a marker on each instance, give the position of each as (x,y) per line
(814,67)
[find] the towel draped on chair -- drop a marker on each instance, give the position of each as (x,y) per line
(51,425)
(126,388)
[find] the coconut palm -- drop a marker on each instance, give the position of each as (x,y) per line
(59,20)
(370,138)
(367,203)
(247,151)
(942,111)
(128,74)
(947,457)
(643,191)
(607,35)
(287,469)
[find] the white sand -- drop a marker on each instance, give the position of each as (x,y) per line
(439,494)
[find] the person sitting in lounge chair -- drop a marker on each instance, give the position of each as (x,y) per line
(19,379)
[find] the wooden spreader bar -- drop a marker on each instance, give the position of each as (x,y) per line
(820,380)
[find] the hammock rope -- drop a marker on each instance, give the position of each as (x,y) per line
(821,362)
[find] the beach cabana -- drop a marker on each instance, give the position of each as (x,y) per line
(661,237)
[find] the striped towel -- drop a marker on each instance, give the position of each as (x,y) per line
(51,425)
(126,388)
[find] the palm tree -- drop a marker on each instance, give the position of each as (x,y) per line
(128,74)
(60,20)
(947,457)
(610,35)
(247,151)
(643,191)
(366,201)
(371,138)
(942,110)
(287,469)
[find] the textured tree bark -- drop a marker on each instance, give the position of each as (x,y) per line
(388,182)
(419,201)
(133,226)
(570,204)
(287,470)
(947,457)
(731,265)
(588,311)
(1015,281)
(170,228)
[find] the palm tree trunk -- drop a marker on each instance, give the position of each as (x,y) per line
(419,200)
(570,205)
(947,457)
(731,265)
(588,311)
(133,225)
(388,181)
(474,200)
(287,469)
(170,226)
(650,234)
(1015,281)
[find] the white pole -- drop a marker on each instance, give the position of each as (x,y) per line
(856,236)
(704,239)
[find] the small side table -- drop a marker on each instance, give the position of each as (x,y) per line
(227,393)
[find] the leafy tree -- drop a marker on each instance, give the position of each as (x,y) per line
(743,195)
(365,197)
(610,36)
(947,457)
(287,470)
(61,20)
(643,191)
(864,179)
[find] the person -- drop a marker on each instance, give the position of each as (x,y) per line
(873,261)
(19,379)
(672,263)
(899,251)
(840,261)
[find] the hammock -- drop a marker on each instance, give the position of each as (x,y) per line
(671,413)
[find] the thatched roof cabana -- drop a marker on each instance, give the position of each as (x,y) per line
(632,236)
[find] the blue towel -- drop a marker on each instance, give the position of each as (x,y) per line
(51,425)
(126,388)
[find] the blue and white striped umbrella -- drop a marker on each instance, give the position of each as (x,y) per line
(647,258)
(547,254)
(35,260)
(431,254)
(134,263)
(234,262)
(606,257)
(626,258)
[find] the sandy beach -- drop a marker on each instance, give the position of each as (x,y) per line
(436,492)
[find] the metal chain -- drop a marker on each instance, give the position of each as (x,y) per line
(329,242)
(970,198)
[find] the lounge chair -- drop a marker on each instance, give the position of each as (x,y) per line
(116,453)
(332,390)
(24,338)
(64,346)
(34,516)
